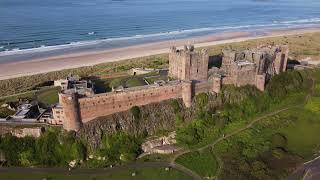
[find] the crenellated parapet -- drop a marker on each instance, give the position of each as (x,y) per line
(188,63)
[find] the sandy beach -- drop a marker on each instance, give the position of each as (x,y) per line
(35,66)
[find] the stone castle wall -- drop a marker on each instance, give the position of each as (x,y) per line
(109,103)
(190,68)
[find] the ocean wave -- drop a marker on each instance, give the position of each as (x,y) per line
(301,21)
(275,24)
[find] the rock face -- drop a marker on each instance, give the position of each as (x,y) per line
(161,145)
(153,117)
(33,132)
(22,131)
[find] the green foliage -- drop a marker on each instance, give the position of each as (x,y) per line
(115,83)
(175,106)
(313,104)
(203,163)
(285,83)
(18,151)
(279,140)
(135,110)
(120,146)
(47,150)
(4,112)
(178,120)
(202,100)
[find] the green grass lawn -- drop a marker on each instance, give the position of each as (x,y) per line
(141,174)
(303,135)
(204,163)
(48,96)
(135,81)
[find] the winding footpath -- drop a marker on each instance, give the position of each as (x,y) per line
(172,162)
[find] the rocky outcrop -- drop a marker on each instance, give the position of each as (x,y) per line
(161,145)
(153,117)
(22,131)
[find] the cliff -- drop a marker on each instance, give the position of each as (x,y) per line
(152,119)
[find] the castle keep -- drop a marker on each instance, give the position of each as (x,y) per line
(189,69)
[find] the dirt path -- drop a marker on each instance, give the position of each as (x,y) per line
(248,125)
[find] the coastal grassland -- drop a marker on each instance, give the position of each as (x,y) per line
(275,145)
(265,144)
(44,95)
(301,46)
(203,163)
(48,96)
(120,174)
(105,70)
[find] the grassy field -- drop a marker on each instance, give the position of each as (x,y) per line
(140,174)
(204,162)
(48,96)
(302,134)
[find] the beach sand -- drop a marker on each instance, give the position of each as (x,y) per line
(36,66)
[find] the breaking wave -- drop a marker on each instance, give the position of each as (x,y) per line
(172,34)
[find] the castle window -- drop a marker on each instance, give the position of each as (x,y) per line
(119,106)
(114,107)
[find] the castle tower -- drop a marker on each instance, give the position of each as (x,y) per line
(228,58)
(71,111)
(216,83)
(188,64)
(281,59)
(187,93)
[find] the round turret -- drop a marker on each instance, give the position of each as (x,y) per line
(71,111)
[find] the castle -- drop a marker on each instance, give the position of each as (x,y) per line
(190,70)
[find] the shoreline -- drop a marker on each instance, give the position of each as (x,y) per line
(16,69)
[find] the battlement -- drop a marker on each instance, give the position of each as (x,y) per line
(190,69)
(188,63)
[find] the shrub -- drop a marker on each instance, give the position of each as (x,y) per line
(135,111)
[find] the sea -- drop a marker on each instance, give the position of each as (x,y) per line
(51,27)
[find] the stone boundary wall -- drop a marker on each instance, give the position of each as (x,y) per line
(109,103)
